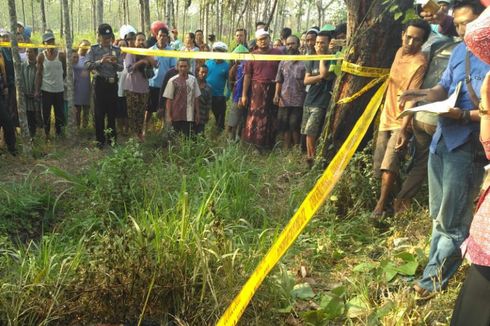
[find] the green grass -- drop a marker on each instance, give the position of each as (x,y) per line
(157,233)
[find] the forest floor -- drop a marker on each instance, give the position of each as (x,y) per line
(166,233)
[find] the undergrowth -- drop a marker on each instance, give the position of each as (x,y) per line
(159,235)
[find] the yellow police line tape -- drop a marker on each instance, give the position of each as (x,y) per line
(200,54)
(227,56)
(353,69)
(29,45)
(305,212)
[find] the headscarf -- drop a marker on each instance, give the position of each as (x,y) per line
(477,37)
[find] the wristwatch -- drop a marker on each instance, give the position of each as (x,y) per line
(482,110)
(466,117)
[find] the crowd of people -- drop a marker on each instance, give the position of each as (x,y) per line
(260,102)
(264,102)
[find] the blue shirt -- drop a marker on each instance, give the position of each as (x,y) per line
(217,76)
(240,73)
(163,65)
(454,132)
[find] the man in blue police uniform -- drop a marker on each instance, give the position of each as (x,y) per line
(104,60)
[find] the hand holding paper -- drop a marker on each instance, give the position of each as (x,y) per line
(436,107)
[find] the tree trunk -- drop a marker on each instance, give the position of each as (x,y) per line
(272,14)
(147,16)
(78,16)
(94,16)
(33,21)
(43,16)
(23,12)
(308,13)
(70,130)
(27,147)
(370,28)
(142,14)
(100,12)
(61,19)
(299,16)
(169,14)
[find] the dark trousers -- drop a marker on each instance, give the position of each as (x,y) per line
(32,122)
(186,128)
(8,126)
(218,105)
(105,105)
(473,304)
(56,100)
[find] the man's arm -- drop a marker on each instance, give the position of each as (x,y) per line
(310,80)
(62,56)
(429,95)
(246,85)
(168,110)
(91,64)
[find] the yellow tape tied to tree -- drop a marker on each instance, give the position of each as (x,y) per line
(313,201)
(380,74)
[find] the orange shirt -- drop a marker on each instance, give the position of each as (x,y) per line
(407,72)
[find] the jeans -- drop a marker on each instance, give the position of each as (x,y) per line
(454,181)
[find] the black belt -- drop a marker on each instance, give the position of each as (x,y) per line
(110,80)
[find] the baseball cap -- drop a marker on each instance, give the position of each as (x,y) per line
(48,36)
(105,30)
(261,33)
(220,46)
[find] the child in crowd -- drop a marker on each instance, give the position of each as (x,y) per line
(204,100)
(182,94)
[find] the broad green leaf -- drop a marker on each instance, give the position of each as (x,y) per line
(365,267)
(406,256)
(357,307)
(408,269)
(313,317)
(302,291)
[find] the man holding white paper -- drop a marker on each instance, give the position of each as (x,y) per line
(454,169)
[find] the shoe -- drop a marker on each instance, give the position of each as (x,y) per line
(423,294)
(310,162)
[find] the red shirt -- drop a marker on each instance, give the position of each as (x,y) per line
(263,71)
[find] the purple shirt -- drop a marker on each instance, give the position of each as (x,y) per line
(135,81)
(237,91)
(81,83)
(291,74)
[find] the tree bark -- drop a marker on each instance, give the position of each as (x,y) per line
(70,130)
(371,27)
(27,146)
(43,16)
(33,21)
(23,12)
(100,12)
(61,19)
(147,16)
